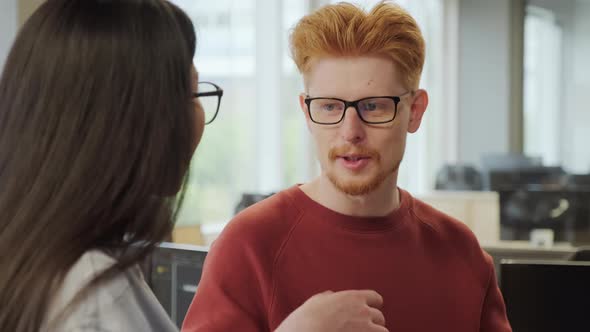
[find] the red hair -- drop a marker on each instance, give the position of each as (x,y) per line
(344,29)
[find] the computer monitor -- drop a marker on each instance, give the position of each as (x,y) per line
(536,178)
(546,296)
(173,273)
(505,162)
(509,161)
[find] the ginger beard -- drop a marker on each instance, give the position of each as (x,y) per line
(366,180)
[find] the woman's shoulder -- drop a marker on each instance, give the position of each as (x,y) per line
(88,266)
(124,303)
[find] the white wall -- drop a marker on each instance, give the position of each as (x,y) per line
(8,27)
(574,115)
(484,78)
(576,154)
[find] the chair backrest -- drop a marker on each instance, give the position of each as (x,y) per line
(458,177)
(249,199)
(583,254)
(578,181)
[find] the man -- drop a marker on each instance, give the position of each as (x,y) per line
(351,228)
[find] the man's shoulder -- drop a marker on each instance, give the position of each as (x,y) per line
(279,207)
(264,225)
(447,234)
(443,224)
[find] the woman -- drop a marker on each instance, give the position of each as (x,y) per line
(98,123)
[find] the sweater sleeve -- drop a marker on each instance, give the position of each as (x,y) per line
(229,296)
(493,314)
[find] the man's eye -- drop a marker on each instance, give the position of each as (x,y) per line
(371,106)
(329,107)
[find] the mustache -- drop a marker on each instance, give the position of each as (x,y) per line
(335,152)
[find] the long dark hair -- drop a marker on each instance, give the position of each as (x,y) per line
(97,130)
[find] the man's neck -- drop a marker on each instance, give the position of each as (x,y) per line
(380,202)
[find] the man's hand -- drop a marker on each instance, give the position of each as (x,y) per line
(345,311)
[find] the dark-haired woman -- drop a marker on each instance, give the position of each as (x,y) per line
(98,122)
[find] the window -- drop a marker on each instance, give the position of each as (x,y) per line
(257,143)
(542,85)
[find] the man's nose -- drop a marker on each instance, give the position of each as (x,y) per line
(352,127)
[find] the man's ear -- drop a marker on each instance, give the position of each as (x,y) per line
(303,107)
(417,109)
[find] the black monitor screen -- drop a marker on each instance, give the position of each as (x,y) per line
(547,296)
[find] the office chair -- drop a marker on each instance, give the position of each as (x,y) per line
(578,181)
(249,199)
(582,254)
(458,177)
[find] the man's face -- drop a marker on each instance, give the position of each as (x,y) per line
(357,157)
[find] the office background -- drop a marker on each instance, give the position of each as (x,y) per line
(504,77)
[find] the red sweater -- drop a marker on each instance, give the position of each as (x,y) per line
(273,256)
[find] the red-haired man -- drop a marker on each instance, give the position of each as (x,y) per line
(351,228)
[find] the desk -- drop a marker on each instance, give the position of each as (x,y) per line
(522,250)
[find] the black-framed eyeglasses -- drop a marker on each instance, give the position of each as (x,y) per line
(209,95)
(371,110)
